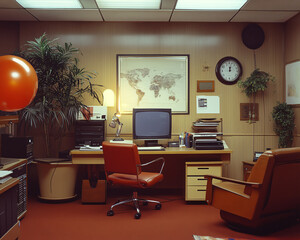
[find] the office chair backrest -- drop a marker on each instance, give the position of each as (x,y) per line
(121,158)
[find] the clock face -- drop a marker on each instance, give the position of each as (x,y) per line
(228,70)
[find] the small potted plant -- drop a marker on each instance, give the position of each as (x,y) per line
(256,82)
(284,117)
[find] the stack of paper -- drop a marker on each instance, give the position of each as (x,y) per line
(5,176)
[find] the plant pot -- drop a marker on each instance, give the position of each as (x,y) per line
(57,180)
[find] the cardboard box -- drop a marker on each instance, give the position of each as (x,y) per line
(93,195)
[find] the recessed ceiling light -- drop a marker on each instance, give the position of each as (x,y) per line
(210,4)
(50,3)
(129,4)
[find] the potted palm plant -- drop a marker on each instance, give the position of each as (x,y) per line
(61,88)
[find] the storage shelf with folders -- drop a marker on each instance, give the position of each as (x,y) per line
(208,134)
(208,125)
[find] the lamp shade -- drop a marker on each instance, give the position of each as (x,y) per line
(108,98)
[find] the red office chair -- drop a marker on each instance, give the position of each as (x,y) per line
(123,167)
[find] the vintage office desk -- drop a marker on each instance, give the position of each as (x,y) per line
(176,159)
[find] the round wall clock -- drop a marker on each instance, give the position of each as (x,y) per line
(229,70)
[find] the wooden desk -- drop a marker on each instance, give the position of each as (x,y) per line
(96,157)
(174,170)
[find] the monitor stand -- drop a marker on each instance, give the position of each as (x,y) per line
(151,143)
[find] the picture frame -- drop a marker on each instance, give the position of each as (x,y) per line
(153,81)
(249,112)
(205,86)
(292,83)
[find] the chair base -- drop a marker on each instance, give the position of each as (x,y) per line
(262,226)
(135,200)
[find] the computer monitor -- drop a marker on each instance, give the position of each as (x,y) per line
(152,124)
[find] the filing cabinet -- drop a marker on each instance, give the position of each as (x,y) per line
(195,183)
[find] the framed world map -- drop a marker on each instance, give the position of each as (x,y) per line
(153,81)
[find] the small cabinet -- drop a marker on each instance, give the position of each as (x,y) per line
(8,206)
(195,183)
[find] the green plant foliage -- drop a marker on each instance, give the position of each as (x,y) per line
(257,81)
(62,85)
(284,117)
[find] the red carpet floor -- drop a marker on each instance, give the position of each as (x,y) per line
(175,221)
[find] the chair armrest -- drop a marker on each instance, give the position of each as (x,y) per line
(153,161)
(252,184)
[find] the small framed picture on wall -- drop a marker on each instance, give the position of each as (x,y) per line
(205,86)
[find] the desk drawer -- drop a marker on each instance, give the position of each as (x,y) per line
(197,193)
(198,181)
(203,170)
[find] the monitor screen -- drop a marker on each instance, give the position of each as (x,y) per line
(152,123)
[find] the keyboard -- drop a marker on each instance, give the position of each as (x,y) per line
(154,148)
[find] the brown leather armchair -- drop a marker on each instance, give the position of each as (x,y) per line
(123,167)
(270,197)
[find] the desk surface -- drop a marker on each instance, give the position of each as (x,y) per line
(96,157)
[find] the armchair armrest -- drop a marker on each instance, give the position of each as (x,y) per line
(252,184)
(153,161)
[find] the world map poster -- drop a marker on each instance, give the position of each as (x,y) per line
(153,81)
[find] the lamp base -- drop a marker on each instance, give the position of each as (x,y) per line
(118,139)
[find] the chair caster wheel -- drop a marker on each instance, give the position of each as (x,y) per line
(158,206)
(137,216)
(110,213)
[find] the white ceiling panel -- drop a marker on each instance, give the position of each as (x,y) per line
(15,15)
(66,15)
(272,5)
(89,4)
(136,15)
(263,16)
(202,16)
(252,11)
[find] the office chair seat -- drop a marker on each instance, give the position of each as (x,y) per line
(145,179)
(123,167)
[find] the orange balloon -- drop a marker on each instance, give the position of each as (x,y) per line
(18,83)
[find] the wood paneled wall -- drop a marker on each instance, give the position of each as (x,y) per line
(292,53)
(206,43)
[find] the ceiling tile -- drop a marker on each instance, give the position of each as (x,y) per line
(202,16)
(272,5)
(15,15)
(66,15)
(263,16)
(89,4)
(136,15)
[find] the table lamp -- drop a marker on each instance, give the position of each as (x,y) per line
(115,120)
